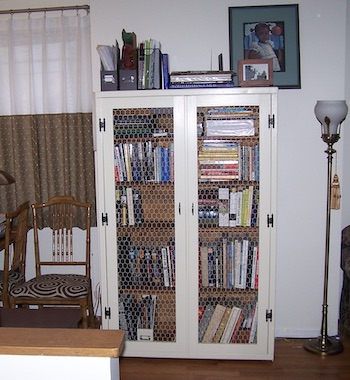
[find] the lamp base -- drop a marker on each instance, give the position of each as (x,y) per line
(332,346)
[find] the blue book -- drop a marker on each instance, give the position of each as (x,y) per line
(256,162)
(165,66)
(165,164)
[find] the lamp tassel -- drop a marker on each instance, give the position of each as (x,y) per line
(335,193)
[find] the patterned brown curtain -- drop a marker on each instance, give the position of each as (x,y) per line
(47,155)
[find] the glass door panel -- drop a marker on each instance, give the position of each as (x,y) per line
(228,220)
(144,212)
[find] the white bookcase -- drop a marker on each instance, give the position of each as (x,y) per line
(181,159)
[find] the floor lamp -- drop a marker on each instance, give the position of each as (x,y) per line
(330,114)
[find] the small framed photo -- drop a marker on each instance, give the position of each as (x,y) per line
(255,72)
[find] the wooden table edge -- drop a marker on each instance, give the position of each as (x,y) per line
(61,342)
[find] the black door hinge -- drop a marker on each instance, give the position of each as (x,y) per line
(270,220)
(107,313)
(105,219)
(268,315)
(102,125)
(271,121)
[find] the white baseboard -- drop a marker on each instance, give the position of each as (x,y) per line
(300,333)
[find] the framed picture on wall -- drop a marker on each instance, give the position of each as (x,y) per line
(255,72)
(261,32)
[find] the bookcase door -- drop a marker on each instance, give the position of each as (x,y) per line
(143,293)
(230,180)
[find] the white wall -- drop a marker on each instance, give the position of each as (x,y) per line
(193,31)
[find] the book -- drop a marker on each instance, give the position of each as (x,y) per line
(165,164)
(244,263)
(157,72)
(204,321)
(225,269)
(201,85)
(127,162)
(236,328)
(147,62)
(211,266)
(221,328)
(141,66)
(165,70)
(128,305)
(146,317)
(170,266)
(165,266)
(253,329)
(224,196)
(233,208)
(130,206)
(201,76)
(256,272)
(214,323)
(238,263)
(204,265)
(137,203)
(230,325)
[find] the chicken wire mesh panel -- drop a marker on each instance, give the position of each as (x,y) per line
(144,193)
(228,220)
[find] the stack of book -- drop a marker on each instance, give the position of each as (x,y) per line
(190,79)
(222,324)
(218,160)
(143,161)
(148,265)
(232,264)
(136,317)
(149,65)
(229,121)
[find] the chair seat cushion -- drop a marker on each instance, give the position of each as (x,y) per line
(53,286)
(14,278)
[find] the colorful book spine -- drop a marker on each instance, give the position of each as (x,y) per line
(165,67)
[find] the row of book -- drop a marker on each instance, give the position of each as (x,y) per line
(222,324)
(145,161)
(145,265)
(228,160)
(195,79)
(128,204)
(233,207)
(149,65)
(136,317)
(229,264)
(238,208)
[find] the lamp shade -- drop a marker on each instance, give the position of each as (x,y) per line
(331,113)
(6,178)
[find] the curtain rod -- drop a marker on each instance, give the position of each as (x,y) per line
(32,10)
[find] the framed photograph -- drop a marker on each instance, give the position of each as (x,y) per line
(267,32)
(255,72)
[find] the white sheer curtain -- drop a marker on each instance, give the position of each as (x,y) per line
(45,64)
(46,140)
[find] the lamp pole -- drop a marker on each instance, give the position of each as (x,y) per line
(324,344)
